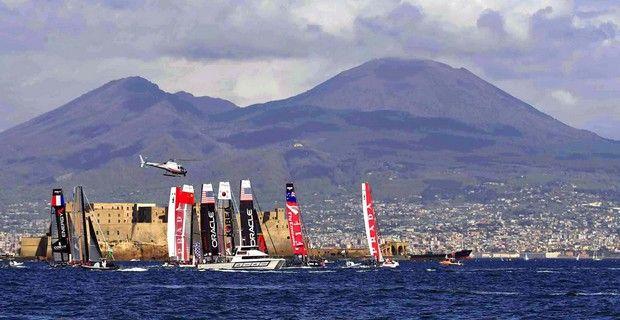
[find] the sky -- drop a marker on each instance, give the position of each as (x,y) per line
(563,57)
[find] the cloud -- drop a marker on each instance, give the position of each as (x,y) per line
(253,51)
(564,97)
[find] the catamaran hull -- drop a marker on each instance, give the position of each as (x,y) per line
(99,268)
(264,264)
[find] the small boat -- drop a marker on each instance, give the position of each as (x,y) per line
(389,263)
(16,264)
(102,265)
(246,258)
(450,262)
(352,264)
(315,263)
(526,258)
(134,260)
(577,258)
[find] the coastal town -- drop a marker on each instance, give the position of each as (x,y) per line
(559,219)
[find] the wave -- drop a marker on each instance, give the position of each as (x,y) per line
(572,293)
(134,269)
(495,293)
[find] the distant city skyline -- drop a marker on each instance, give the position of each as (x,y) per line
(559,56)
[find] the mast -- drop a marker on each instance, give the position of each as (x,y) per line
(370,223)
(293,216)
(209,228)
(84,229)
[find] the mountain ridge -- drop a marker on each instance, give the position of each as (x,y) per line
(403,124)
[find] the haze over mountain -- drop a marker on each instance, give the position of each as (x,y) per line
(409,126)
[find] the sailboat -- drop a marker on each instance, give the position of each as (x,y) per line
(372,232)
(179,227)
(59,230)
(92,259)
(251,253)
(209,225)
(295,228)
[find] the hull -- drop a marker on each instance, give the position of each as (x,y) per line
(257,264)
(390,265)
(108,268)
(458,255)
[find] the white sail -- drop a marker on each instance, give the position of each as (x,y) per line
(170,225)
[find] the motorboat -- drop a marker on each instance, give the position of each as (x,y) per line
(450,262)
(246,258)
(16,264)
(389,263)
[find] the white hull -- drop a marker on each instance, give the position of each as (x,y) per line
(393,264)
(255,264)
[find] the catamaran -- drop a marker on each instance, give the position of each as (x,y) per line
(251,253)
(92,258)
(59,230)
(295,229)
(180,222)
(209,225)
(372,232)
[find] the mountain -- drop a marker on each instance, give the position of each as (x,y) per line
(411,127)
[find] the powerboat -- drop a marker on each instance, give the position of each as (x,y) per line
(102,265)
(352,264)
(389,263)
(450,262)
(246,258)
(16,264)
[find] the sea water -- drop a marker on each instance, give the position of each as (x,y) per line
(563,289)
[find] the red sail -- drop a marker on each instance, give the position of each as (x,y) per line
(183,211)
(294,222)
(370,223)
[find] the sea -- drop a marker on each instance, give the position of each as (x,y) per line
(481,289)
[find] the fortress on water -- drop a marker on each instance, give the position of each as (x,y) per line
(138,231)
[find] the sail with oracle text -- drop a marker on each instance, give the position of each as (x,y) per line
(370,222)
(179,223)
(293,216)
(251,233)
(59,227)
(209,226)
(225,213)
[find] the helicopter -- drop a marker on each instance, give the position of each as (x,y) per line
(172,168)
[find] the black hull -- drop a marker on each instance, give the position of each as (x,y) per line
(458,255)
